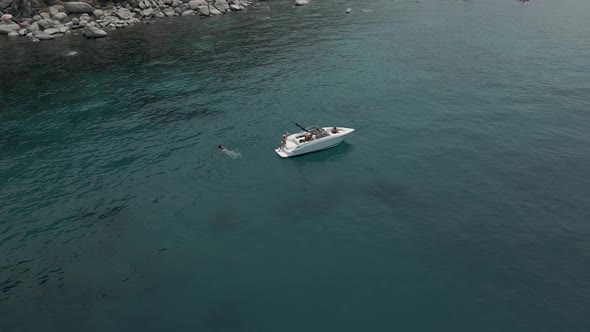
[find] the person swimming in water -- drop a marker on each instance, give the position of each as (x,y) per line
(233,154)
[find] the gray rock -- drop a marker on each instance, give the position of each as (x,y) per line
(160,15)
(63,29)
(30,34)
(167,2)
(51,31)
(177,11)
(301,2)
(175,3)
(45,15)
(13,34)
(7,28)
(85,17)
(37,18)
(234,7)
(169,12)
(94,32)
(188,12)
(83,23)
(204,11)
(222,5)
(214,11)
(98,13)
(53,11)
(75,21)
(147,12)
(348,10)
(78,7)
(35,40)
(43,36)
(195,4)
(44,24)
(33,27)
(184,7)
(23,32)
(124,14)
(62,17)
(5,4)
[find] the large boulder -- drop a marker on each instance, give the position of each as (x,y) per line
(78,7)
(234,7)
(188,12)
(94,32)
(7,28)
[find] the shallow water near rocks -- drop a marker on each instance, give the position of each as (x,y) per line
(460,203)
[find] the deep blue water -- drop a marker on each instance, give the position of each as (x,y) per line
(461,202)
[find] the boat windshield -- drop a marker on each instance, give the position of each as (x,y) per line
(318,131)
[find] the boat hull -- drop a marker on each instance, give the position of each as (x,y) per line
(293,149)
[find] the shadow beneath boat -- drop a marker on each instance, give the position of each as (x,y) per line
(332,154)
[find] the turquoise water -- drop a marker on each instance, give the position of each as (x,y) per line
(460,203)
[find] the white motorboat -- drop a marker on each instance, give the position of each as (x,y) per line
(312,139)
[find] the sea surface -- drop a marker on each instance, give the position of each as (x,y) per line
(460,203)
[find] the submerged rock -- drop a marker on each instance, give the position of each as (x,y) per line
(43,36)
(301,2)
(348,10)
(94,32)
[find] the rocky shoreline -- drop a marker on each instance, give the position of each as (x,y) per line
(93,21)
